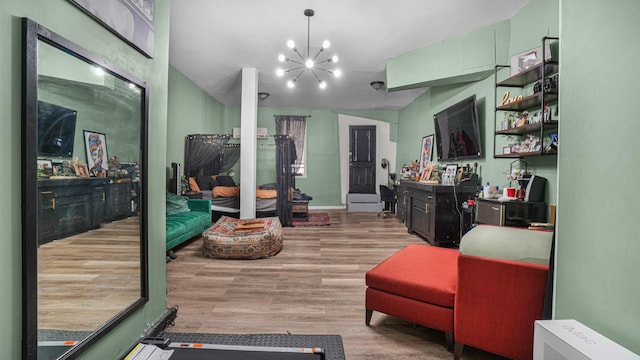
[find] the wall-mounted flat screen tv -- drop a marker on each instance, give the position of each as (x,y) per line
(458,132)
(56,130)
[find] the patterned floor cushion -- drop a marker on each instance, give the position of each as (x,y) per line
(231,238)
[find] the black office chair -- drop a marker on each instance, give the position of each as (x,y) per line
(388,195)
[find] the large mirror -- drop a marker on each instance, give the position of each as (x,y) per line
(84,195)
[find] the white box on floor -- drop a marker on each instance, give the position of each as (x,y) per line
(571,340)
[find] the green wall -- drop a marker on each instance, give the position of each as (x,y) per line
(64,18)
(597,242)
(190,111)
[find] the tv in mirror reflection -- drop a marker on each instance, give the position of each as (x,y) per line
(457,131)
(56,130)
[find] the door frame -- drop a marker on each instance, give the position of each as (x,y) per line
(385,149)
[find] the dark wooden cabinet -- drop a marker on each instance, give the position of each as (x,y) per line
(98,199)
(74,205)
(118,200)
(402,202)
(67,207)
(46,215)
(434,211)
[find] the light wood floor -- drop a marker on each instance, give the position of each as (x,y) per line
(315,285)
(86,279)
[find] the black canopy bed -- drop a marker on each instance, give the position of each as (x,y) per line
(209,156)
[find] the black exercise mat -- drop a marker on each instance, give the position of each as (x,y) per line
(332,344)
(53,343)
(61,335)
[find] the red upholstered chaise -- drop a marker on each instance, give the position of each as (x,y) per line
(488,294)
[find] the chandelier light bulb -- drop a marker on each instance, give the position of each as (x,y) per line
(322,85)
(309,64)
(337,73)
(291,83)
(279,71)
(326,44)
(334,58)
(291,44)
(281,58)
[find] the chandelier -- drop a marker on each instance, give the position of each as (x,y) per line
(312,63)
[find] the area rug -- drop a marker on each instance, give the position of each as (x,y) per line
(315,219)
(332,344)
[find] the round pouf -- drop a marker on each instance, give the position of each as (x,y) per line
(231,238)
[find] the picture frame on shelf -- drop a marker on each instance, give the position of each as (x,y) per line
(45,167)
(528,59)
(451,171)
(426,174)
(95,145)
(506,150)
(426,153)
(131,20)
(81,170)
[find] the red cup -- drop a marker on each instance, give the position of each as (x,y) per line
(511,192)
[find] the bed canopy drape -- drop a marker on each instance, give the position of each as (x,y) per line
(210,154)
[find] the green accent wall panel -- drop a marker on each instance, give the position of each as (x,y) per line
(466,58)
(597,241)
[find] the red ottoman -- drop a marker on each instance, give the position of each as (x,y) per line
(417,284)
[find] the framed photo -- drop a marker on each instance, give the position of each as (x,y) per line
(426,153)
(506,150)
(81,169)
(426,174)
(45,167)
(130,20)
(95,144)
(451,171)
(528,59)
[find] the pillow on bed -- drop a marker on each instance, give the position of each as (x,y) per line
(214,182)
(205,182)
(225,180)
(193,185)
(266,194)
(226,191)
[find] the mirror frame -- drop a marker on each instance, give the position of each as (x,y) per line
(32,33)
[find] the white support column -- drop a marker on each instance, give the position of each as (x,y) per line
(249,124)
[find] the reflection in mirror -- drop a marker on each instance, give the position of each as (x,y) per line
(84,194)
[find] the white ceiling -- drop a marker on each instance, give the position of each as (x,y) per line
(212,40)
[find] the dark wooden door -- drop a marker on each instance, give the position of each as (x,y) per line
(362,159)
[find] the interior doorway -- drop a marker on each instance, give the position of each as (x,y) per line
(362,159)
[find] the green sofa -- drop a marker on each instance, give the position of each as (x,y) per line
(184,222)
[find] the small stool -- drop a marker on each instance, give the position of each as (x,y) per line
(300,210)
(417,284)
(231,238)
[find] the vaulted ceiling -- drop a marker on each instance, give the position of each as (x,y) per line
(212,40)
